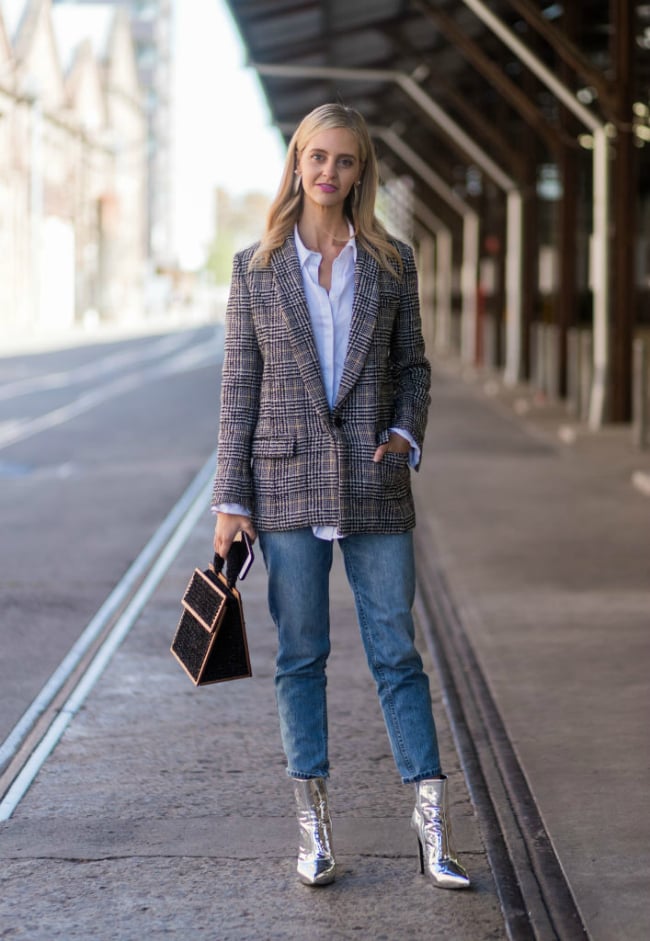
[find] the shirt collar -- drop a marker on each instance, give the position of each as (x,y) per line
(303,252)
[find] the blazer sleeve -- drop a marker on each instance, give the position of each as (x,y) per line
(411,369)
(240,388)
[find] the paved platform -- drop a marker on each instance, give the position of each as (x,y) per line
(165,811)
(546,547)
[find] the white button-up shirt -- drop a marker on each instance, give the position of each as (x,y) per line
(330,313)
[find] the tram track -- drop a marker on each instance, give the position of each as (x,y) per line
(33,738)
(535,897)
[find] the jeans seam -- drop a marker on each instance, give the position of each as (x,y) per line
(323,707)
(379,672)
(290,684)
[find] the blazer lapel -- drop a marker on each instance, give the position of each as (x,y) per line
(288,276)
(364,318)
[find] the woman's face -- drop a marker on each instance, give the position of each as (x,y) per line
(330,166)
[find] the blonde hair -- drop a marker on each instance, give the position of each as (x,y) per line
(359,205)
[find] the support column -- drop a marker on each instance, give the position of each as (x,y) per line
(427,280)
(444,264)
(530,257)
(568,165)
(600,197)
(567,249)
(625,212)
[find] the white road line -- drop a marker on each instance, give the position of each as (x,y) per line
(185,361)
(91,370)
(155,559)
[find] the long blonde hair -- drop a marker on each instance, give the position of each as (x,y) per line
(359,205)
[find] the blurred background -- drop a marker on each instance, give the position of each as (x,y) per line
(136,154)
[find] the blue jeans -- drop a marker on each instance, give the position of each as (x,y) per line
(381,573)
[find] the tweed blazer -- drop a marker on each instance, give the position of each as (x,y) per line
(283,453)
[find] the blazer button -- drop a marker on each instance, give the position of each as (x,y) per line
(338,421)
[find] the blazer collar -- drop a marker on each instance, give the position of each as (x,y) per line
(286,267)
(364,318)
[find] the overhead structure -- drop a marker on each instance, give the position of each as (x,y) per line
(601,197)
(525,128)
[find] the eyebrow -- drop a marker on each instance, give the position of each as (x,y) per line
(323,150)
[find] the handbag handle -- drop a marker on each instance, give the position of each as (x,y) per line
(218,564)
(236,556)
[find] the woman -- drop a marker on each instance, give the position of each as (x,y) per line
(324,405)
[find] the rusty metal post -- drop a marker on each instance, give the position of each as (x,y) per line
(640,396)
(624,207)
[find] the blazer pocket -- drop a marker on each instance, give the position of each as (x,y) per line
(277,446)
(389,479)
(395,473)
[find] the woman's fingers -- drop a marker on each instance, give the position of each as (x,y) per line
(227,527)
(396,444)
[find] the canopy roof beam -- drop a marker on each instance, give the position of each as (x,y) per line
(600,260)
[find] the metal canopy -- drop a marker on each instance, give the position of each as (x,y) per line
(411,36)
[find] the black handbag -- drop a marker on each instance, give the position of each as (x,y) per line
(210,641)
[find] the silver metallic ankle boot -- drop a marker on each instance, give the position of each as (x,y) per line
(316,863)
(430,821)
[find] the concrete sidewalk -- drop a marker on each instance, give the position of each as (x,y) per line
(165,811)
(546,548)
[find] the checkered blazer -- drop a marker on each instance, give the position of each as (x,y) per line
(282,452)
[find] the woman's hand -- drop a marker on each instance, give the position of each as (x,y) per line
(396,444)
(227,527)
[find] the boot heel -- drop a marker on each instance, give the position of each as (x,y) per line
(421,856)
(431,823)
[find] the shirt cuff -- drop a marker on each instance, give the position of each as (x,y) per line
(235,509)
(415,454)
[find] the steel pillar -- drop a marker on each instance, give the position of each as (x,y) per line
(601,211)
(443,262)
(469,265)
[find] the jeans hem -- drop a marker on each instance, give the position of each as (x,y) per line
(300,776)
(422,777)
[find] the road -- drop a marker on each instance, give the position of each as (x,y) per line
(97,443)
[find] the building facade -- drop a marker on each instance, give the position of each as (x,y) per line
(73,167)
(151,23)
